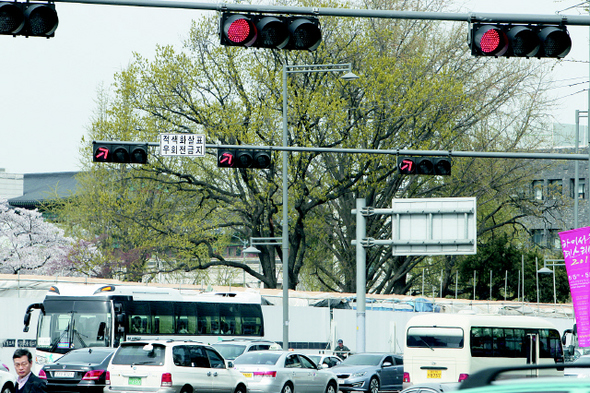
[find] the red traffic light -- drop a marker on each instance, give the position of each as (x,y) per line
(266,31)
(519,40)
(490,40)
(406,165)
(239,30)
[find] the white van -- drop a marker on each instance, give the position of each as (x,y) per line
(162,366)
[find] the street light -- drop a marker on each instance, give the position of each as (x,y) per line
(546,270)
(294,69)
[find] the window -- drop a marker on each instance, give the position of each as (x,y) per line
(431,337)
(539,236)
(538,189)
(554,240)
(555,189)
(581,188)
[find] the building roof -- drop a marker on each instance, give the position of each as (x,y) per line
(42,187)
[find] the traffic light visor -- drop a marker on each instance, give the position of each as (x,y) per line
(12,18)
(524,41)
(42,19)
(556,41)
(272,32)
(305,34)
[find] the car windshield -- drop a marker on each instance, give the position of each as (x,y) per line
(315,358)
(140,354)
(230,351)
(261,357)
(84,357)
(362,360)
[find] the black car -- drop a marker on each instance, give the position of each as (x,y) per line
(80,370)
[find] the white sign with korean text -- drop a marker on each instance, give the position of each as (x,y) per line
(183,145)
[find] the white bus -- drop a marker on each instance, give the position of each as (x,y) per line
(450,347)
(76,316)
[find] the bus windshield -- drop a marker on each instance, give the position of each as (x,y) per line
(66,325)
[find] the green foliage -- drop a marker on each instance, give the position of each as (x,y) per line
(418,89)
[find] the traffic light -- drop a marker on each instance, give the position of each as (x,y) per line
(519,40)
(424,165)
(269,31)
(232,158)
(120,152)
(28,19)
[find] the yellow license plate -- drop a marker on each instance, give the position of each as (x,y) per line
(247,375)
(433,374)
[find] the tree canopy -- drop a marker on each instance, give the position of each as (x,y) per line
(418,89)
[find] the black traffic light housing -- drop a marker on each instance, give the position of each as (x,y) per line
(234,158)
(28,19)
(506,40)
(120,152)
(270,31)
(424,166)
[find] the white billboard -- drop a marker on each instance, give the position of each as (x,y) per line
(434,226)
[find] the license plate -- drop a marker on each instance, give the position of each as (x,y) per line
(63,374)
(247,375)
(433,374)
(134,381)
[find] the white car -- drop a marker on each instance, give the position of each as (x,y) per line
(167,366)
(325,361)
(7,380)
(284,372)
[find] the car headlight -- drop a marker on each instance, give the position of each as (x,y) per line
(356,375)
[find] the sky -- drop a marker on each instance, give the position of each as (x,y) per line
(49,86)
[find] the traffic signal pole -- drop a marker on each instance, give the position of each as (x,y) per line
(579,20)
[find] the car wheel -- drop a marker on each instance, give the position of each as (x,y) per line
(240,389)
(331,388)
(185,390)
(374,385)
(6,389)
(287,388)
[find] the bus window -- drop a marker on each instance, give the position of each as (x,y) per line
(139,318)
(162,318)
(185,315)
(435,337)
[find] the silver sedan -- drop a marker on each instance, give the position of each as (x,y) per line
(285,372)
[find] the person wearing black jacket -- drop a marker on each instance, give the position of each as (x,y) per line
(27,382)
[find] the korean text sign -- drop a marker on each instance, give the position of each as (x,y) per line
(575,245)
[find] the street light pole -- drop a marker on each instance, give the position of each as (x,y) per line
(546,270)
(288,69)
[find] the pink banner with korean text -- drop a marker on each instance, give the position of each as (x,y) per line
(575,245)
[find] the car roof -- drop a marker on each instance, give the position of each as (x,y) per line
(242,341)
(490,379)
(163,342)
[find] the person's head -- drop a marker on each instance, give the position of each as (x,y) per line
(23,361)
(340,342)
(136,321)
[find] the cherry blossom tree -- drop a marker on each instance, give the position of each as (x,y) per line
(31,245)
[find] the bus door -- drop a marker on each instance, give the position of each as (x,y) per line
(532,351)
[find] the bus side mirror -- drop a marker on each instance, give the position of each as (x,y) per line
(27,321)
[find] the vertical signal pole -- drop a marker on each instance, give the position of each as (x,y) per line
(285,241)
(361,279)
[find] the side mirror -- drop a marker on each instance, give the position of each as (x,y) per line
(387,364)
(230,364)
